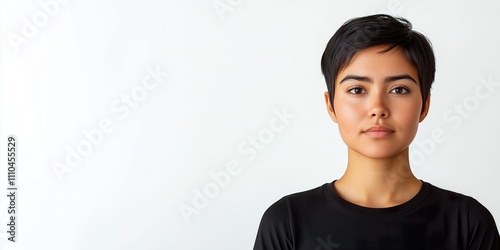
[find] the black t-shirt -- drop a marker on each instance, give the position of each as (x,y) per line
(319,219)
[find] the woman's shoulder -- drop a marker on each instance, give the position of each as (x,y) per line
(447,196)
(482,232)
(296,199)
(464,205)
(276,228)
(287,206)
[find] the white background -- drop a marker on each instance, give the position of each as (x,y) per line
(226,74)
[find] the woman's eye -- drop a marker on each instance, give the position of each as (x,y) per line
(400,90)
(356,90)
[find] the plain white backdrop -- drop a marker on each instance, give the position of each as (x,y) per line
(175,124)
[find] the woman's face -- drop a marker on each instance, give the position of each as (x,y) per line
(377,102)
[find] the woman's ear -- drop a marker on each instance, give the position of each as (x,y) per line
(426,108)
(329,107)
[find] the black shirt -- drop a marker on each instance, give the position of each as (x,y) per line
(319,219)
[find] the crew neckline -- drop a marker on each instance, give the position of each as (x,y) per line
(368,211)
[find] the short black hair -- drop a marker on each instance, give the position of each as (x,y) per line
(363,32)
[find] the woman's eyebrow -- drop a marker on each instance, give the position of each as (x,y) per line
(356,78)
(387,79)
(399,77)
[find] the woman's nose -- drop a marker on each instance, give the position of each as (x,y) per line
(378,107)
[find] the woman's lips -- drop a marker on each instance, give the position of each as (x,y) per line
(378,132)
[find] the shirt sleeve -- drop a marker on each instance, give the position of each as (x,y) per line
(482,228)
(274,231)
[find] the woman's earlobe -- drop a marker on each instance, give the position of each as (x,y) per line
(329,107)
(426,108)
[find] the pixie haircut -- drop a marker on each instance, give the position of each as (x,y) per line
(363,32)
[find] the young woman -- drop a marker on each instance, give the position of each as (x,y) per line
(379,74)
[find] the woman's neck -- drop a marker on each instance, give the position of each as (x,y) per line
(378,183)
